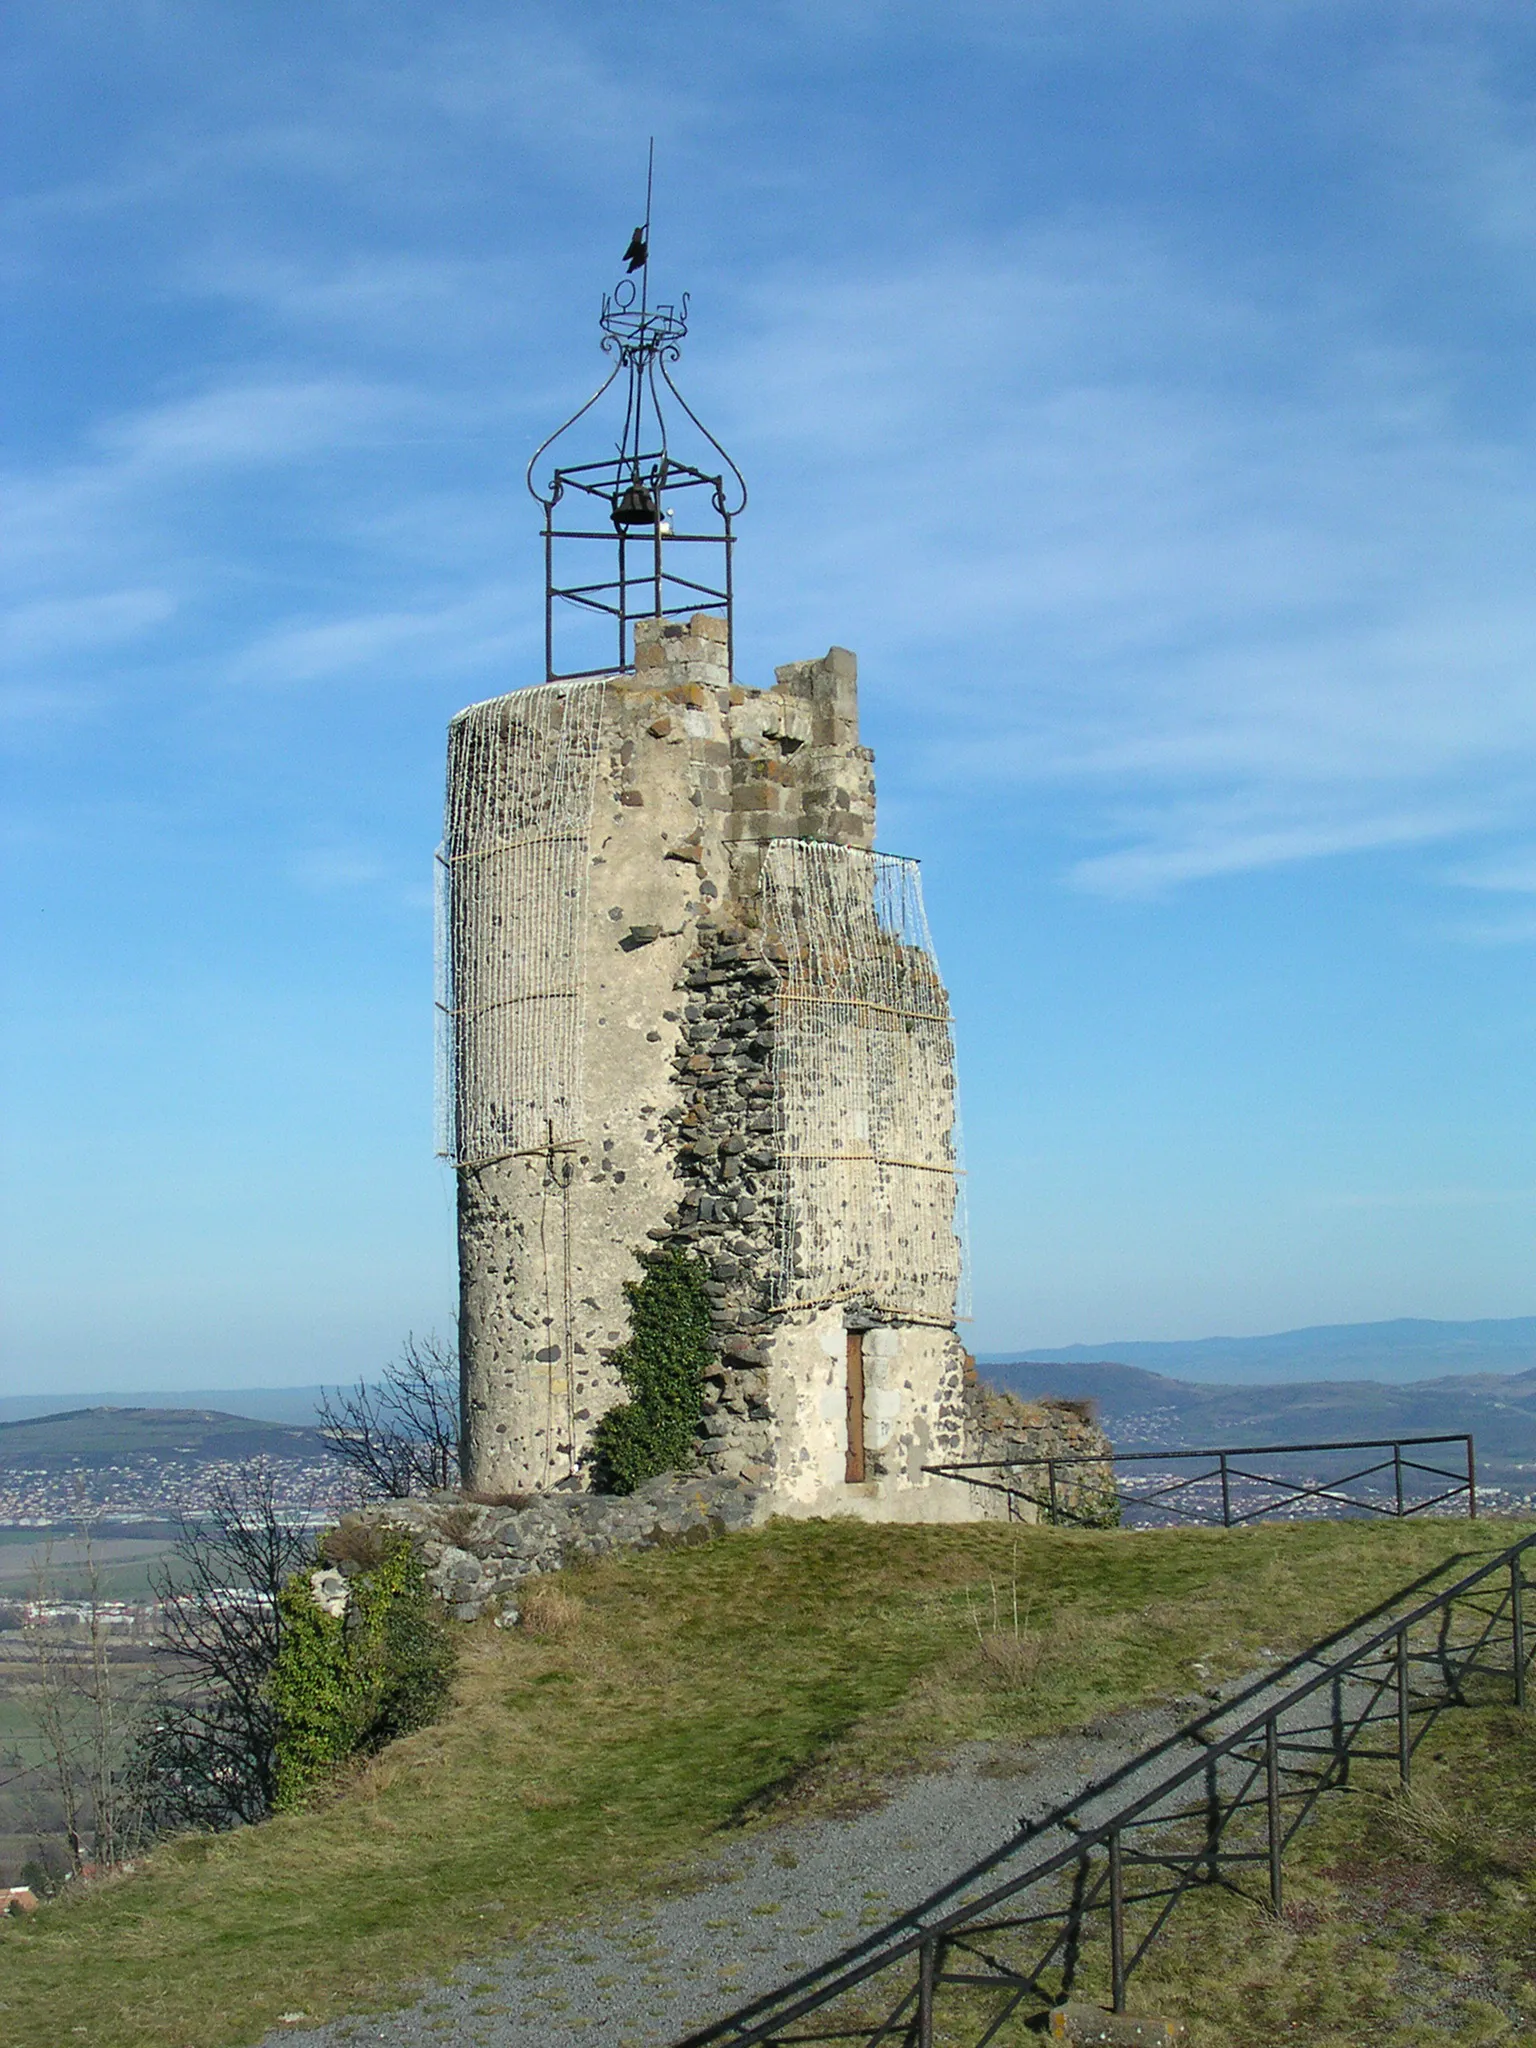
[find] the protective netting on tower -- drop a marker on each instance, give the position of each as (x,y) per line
(865,1084)
(512,895)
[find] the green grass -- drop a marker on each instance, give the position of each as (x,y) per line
(791,1667)
(1409,1921)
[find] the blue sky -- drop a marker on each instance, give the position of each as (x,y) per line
(1143,391)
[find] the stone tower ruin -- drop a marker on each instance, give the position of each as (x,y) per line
(687,1006)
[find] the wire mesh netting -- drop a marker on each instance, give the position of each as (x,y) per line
(512,892)
(865,1084)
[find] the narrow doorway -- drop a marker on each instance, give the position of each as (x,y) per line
(854,1474)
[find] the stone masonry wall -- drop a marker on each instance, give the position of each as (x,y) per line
(479,1553)
(679,1150)
(1001,1425)
(725,1130)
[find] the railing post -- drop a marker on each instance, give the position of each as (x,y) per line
(1404,1727)
(1517,1624)
(1116,1926)
(1272,1803)
(1471,1483)
(1050,1473)
(1340,1744)
(1397,1477)
(925,1976)
(1226,1494)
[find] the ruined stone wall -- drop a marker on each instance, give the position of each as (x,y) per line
(683,1120)
(1001,1425)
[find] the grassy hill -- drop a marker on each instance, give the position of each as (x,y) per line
(98,1437)
(671,1695)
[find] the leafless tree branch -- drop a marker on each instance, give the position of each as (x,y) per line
(400,1437)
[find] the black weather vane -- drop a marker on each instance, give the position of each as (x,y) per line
(641,482)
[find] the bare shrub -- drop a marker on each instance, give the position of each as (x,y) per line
(1013,1661)
(209,1759)
(400,1437)
(82,1718)
(356,1542)
(459,1523)
(1011,1651)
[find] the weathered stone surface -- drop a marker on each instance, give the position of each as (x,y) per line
(1089,2023)
(1000,1425)
(477,1555)
(680,1145)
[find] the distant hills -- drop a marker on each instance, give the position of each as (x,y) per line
(264,1404)
(1141,1409)
(94,1438)
(1411,1348)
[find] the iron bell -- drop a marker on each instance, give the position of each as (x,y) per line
(635,507)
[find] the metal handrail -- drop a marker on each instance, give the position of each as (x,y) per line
(1291,1491)
(1381,1663)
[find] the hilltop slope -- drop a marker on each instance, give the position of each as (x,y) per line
(673,1695)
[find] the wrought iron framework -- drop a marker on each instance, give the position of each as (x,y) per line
(644,502)
(983,1956)
(1226,1491)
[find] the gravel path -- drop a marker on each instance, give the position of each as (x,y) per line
(775,1903)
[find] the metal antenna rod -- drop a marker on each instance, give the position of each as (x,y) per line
(645,268)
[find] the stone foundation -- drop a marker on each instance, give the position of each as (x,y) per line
(477,1556)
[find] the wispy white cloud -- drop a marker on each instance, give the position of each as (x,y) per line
(330,868)
(1512,872)
(1194,842)
(146,494)
(56,625)
(1424,1198)
(466,634)
(1506,928)
(406,302)
(254,421)
(71,517)
(1116,555)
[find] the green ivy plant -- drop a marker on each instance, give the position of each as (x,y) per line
(345,1684)
(662,1362)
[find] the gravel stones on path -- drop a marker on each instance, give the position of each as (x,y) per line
(776,1902)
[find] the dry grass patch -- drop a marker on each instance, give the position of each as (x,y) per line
(546,1609)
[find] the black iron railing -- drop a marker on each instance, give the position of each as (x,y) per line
(1227,1489)
(1078,1919)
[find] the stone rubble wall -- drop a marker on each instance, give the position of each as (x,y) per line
(477,1556)
(1001,1425)
(725,1131)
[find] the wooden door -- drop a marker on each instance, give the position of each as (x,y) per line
(854,1474)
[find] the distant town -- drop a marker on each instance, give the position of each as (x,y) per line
(308,1489)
